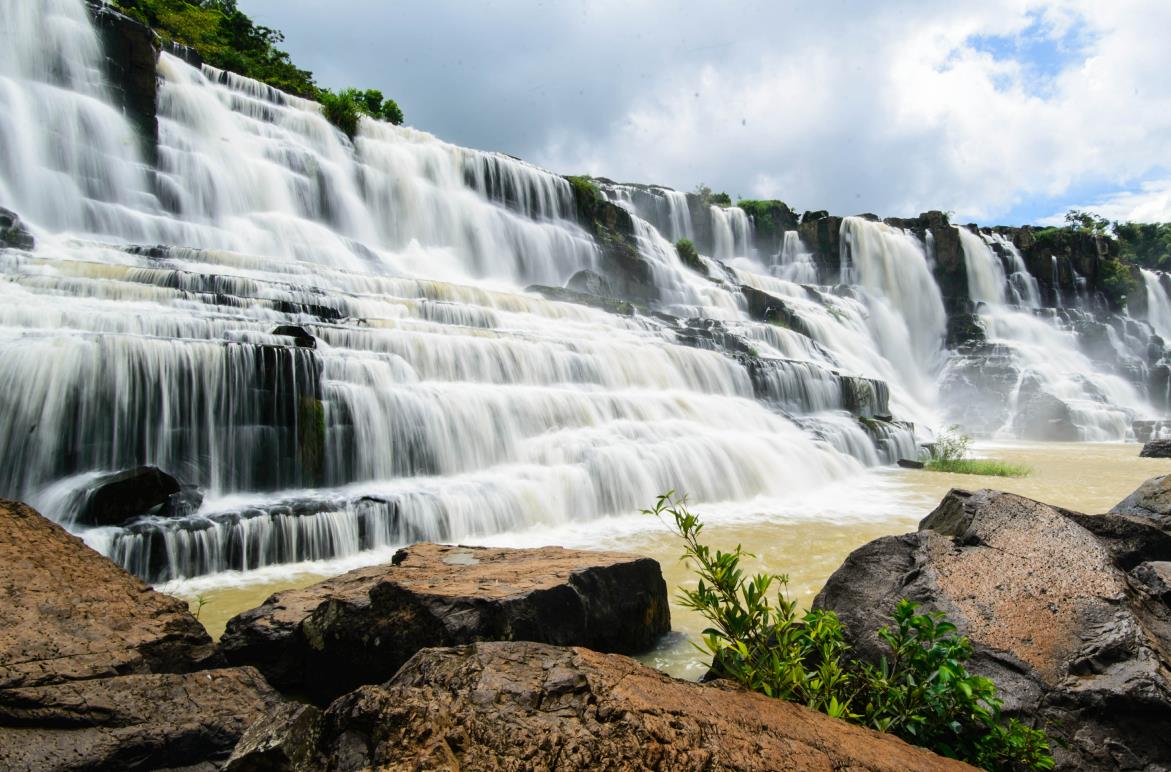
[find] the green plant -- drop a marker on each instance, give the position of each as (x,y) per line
(345,108)
(923,693)
(1087,222)
(197,605)
(584,187)
(1116,281)
(919,690)
(708,197)
(951,444)
(689,254)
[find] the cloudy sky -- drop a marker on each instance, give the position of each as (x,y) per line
(1004,111)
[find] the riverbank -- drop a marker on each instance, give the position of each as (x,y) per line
(806,537)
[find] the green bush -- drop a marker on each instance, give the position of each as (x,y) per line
(1116,281)
(951,444)
(708,197)
(919,691)
(584,187)
(345,108)
(689,254)
(1145,244)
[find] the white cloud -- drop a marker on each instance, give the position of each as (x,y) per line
(981,107)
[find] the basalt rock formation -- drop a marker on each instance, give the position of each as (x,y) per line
(1066,612)
(513,706)
(359,628)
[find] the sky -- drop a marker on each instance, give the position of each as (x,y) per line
(999,111)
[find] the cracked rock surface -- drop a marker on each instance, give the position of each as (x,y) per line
(530,706)
(1066,612)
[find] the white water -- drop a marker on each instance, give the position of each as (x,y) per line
(1044,350)
(454,404)
(442,400)
(1158,295)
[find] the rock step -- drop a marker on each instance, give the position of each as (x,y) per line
(524,705)
(359,628)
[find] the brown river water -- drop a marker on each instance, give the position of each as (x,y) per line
(806,541)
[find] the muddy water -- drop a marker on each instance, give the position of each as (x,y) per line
(806,538)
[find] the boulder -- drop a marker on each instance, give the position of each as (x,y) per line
(13,233)
(152,721)
(301,337)
(97,671)
(491,706)
(1156,449)
(113,499)
(1074,643)
(69,614)
(591,283)
(1151,499)
(907,463)
(359,628)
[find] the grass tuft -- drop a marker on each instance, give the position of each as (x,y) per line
(989,467)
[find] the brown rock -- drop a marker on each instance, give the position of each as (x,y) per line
(97,671)
(359,628)
(67,613)
(152,721)
(1070,639)
(514,706)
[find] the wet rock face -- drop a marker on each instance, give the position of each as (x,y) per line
(132,49)
(97,671)
(13,233)
(359,628)
(494,706)
(115,498)
(1065,613)
(1156,449)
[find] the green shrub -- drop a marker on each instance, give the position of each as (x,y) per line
(345,108)
(688,254)
(919,691)
(708,197)
(584,187)
(1116,281)
(951,444)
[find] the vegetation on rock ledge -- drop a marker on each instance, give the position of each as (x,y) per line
(225,37)
(920,691)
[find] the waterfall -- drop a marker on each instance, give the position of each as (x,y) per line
(1052,366)
(794,262)
(1158,302)
(905,305)
(423,393)
(731,232)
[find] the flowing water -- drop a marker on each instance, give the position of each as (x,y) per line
(163,316)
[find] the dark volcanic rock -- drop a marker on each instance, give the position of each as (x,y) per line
(520,706)
(1072,640)
(361,627)
(13,233)
(115,498)
(1156,449)
(907,463)
(97,671)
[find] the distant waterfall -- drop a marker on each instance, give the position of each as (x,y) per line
(731,232)
(794,262)
(1157,287)
(1047,376)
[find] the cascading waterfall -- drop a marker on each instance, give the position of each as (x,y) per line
(1052,384)
(731,232)
(1157,287)
(434,398)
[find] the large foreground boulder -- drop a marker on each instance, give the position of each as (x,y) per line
(514,706)
(359,628)
(1064,612)
(97,671)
